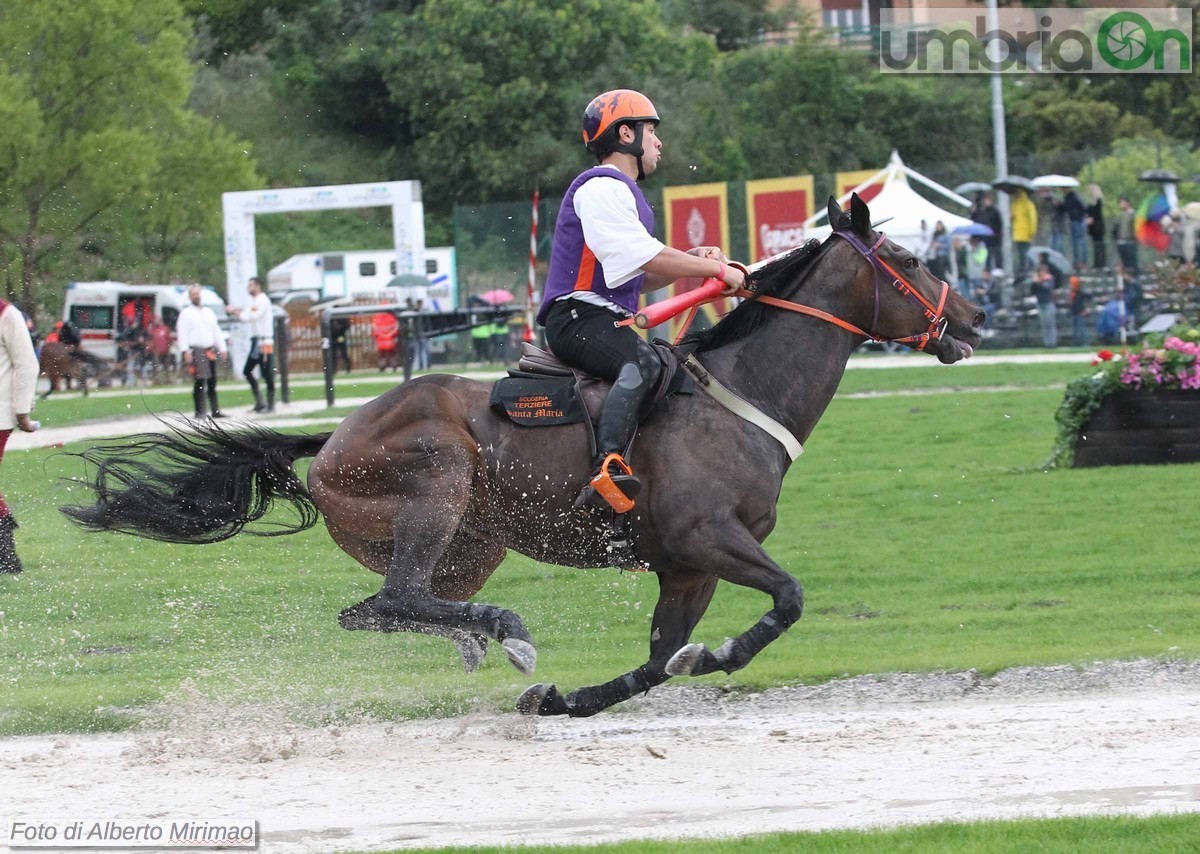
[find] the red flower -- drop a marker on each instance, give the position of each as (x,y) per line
(1105,355)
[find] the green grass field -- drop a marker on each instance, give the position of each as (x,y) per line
(1157,835)
(921,526)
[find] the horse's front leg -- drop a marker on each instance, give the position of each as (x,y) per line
(682,601)
(734,555)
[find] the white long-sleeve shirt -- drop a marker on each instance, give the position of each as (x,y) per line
(260,319)
(18,368)
(197,327)
(608,214)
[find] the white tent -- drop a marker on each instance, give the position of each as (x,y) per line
(898,204)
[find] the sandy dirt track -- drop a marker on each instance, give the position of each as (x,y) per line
(681,762)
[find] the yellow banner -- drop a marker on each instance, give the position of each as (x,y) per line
(847,181)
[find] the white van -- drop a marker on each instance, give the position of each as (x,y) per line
(100,310)
(322,276)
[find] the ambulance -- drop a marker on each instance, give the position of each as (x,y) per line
(102,310)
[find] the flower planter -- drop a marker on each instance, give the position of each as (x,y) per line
(1142,428)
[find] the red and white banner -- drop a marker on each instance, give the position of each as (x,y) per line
(697,215)
(776,209)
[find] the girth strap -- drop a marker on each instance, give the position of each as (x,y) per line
(742,409)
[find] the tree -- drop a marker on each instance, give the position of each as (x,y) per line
(84,90)
(491,92)
(181,200)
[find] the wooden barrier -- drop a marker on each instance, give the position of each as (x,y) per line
(1142,428)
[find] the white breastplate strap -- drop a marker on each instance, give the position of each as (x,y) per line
(742,409)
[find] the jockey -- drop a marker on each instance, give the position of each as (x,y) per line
(605,254)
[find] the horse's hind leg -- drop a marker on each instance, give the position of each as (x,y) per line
(682,601)
(426,514)
(375,556)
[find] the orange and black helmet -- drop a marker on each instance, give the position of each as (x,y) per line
(605,115)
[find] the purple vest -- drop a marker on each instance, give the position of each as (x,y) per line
(573,267)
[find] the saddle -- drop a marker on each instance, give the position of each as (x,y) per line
(543,391)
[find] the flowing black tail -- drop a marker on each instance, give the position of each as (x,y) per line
(202,485)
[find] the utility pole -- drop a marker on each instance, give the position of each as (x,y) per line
(1000,143)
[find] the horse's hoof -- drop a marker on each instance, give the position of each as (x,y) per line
(521,654)
(686,660)
(472,649)
(542,699)
(360,617)
(530,701)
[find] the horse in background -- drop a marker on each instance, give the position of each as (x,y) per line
(429,487)
(59,361)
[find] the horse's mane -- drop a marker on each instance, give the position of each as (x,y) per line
(776,279)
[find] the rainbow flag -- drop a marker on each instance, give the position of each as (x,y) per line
(1147,222)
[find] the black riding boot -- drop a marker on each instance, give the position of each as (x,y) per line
(259,406)
(214,410)
(198,399)
(618,423)
(271,397)
(9,562)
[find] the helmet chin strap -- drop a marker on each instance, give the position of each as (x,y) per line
(636,149)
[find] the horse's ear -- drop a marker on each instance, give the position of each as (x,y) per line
(860,216)
(837,217)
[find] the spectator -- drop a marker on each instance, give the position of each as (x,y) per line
(419,348)
(134,340)
(499,331)
(977,258)
(160,345)
(985,213)
(200,341)
(18,379)
(1095,227)
(1079,313)
(1024,229)
(1108,325)
(1055,215)
(1127,255)
(924,241)
(481,341)
(385,329)
(938,259)
(1076,212)
(1042,289)
(339,334)
(261,319)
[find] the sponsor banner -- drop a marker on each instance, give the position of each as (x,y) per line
(776,209)
(696,215)
(847,181)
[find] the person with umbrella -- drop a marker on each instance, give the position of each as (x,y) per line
(1076,213)
(604,255)
(985,213)
(1024,216)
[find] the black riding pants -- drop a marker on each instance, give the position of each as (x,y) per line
(265,364)
(584,336)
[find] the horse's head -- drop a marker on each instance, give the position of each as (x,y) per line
(902,300)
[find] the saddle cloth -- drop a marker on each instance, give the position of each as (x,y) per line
(545,392)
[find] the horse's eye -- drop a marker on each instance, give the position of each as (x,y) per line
(912,263)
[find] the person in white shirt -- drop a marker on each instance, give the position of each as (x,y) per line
(262,343)
(604,255)
(200,342)
(18,378)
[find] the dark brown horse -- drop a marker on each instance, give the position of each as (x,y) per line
(60,361)
(429,488)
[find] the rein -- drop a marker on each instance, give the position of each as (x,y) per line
(934,314)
